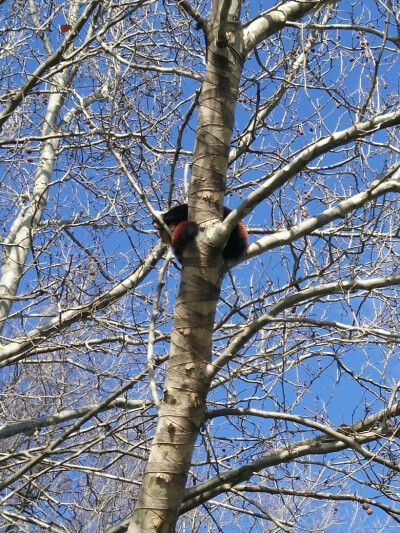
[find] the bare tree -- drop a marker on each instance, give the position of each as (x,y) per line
(254,394)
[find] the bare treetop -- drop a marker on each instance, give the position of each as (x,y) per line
(247,390)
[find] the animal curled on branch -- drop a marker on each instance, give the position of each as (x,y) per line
(184,230)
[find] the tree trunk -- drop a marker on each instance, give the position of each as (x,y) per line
(184,401)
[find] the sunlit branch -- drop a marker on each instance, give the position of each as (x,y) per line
(152,326)
(331,441)
(246,138)
(384,183)
(174,71)
(351,28)
(30,426)
(300,298)
(17,97)
(15,350)
(273,20)
(51,446)
(313,150)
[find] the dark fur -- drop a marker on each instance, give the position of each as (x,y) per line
(183,230)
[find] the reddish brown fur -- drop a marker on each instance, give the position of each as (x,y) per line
(184,230)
